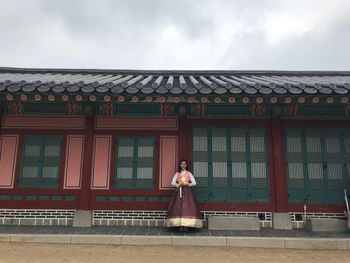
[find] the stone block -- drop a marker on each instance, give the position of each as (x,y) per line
(10,221)
(129,222)
(82,218)
(121,222)
(39,222)
(152,223)
(96,222)
(5,237)
(36,238)
(144,223)
(282,221)
(256,242)
(27,222)
(146,240)
(198,241)
(233,223)
(96,239)
(136,223)
(326,225)
(160,223)
(113,222)
(62,222)
(316,243)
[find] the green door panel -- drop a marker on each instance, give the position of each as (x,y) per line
(135,162)
(40,161)
(230,164)
(317,164)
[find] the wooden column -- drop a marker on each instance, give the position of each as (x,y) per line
(87,164)
(183,140)
(279,166)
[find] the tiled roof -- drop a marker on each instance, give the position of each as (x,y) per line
(174,82)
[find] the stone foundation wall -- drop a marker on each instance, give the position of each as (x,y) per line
(61,217)
(157,218)
(37,217)
(298,220)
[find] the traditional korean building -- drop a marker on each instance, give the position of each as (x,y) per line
(108,142)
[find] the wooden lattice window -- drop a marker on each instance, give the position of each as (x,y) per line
(230,164)
(135,161)
(40,161)
(317,164)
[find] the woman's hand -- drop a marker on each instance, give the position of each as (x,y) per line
(184,183)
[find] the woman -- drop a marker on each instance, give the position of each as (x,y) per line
(182,210)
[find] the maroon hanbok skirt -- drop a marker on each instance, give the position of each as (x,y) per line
(183,211)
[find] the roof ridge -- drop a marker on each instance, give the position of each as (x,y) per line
(169,72)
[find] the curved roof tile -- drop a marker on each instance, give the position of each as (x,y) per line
(189,83)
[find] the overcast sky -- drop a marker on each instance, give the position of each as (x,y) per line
(176,34)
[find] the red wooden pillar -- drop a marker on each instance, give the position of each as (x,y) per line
(183,140)
(279,167)
(1,116)
(87,164)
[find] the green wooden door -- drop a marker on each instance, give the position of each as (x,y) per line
(345,146)
(40,161)
(317,164)
(239,168)
(200,162)
(230,164)
(135,162)
(258,183)
(218,160)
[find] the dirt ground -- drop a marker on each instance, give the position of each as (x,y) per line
(42,252)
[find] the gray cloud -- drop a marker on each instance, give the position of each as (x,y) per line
(182,34)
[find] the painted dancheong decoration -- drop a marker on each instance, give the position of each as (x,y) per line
(259,143)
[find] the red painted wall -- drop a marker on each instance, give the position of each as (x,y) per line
(85,198)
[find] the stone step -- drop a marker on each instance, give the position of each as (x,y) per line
(82,218)
(326,225)
(210,241)
(233,223)
(281,221)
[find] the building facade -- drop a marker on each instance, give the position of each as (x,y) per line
(108,141)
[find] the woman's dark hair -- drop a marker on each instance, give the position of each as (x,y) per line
(179,167)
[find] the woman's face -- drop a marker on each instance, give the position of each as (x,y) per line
(183,165)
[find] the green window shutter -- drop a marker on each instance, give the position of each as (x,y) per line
(239,165)
(31,161)
(346,156)
(219,164)
(40,161)
(51,161)
(314,162)
(135,162)
(258,165)
(295,165)
(145,162)
(200,162)
(250,180)
(230,164)
(335,175)
(317,165)
(125,162)
(314,166)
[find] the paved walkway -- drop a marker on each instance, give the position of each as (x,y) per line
(265,238)
(163,231)
(90,253)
